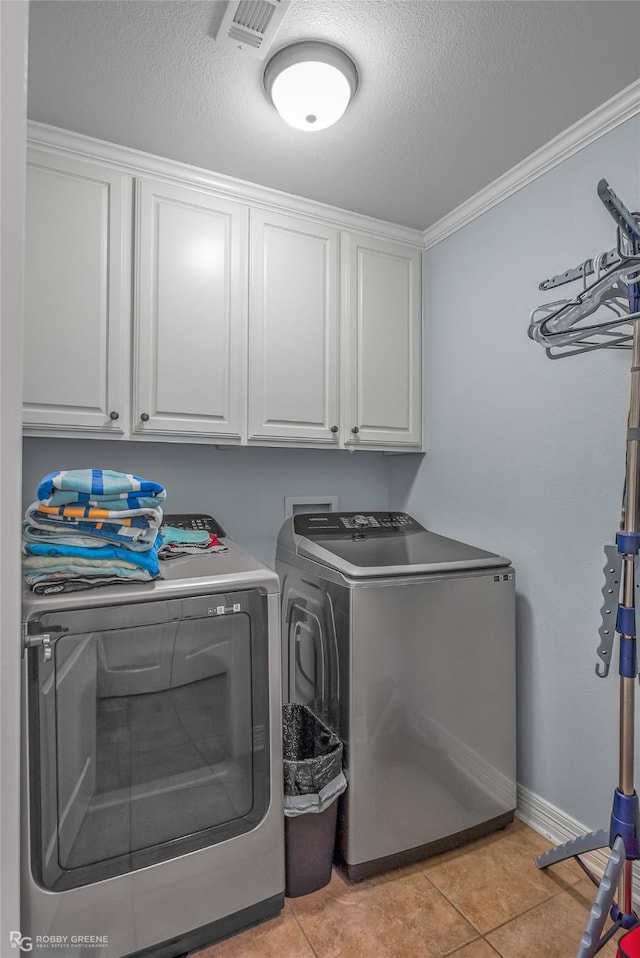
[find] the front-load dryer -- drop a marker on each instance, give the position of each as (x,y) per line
(404,642)
(152,784)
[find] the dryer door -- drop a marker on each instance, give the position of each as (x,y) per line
(148,731)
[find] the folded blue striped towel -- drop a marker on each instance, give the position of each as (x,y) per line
(134,532)
(127,517)
(94,486)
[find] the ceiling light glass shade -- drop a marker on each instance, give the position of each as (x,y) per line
(310,84)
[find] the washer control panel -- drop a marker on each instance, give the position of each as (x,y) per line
(313,525)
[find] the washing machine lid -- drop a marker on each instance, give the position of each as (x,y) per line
(376,544)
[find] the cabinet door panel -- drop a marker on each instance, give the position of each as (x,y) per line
(384,362)
(75,295)
(293,329)
(190,369)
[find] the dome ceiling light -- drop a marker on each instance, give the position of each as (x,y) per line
(311,84)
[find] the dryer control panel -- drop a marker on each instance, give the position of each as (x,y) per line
(317,525)
(199,521)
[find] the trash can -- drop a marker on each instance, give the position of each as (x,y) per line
(313,780)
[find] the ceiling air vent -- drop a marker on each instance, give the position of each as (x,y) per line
(250,25)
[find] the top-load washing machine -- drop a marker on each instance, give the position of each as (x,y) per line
(404,642)
(152,791)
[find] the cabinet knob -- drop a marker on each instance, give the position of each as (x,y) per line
(355,429)
(144,416)
(114,415)
(334,429)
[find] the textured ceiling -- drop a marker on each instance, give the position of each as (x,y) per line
(452,94)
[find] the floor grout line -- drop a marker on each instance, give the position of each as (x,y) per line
(493,948)
(460,948)
(481,934)
(456,909)
(304,934)
(526,911)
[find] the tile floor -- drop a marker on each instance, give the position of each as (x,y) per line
(484,900)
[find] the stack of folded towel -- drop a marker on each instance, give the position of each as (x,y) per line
(92,527)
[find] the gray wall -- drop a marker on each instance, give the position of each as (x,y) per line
(243,488)
(526,456)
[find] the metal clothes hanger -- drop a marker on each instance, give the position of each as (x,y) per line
(612,299)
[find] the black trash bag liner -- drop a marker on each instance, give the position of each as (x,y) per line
(312,753)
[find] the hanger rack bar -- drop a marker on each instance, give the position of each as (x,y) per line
(607,260)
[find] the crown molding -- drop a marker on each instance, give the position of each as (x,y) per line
(137,163)
(604,118)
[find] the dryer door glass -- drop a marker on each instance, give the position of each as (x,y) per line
(148,730)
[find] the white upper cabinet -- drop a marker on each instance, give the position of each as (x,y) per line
(164,303)
(77,295)
(191,313)
(293,329)
(382,357)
